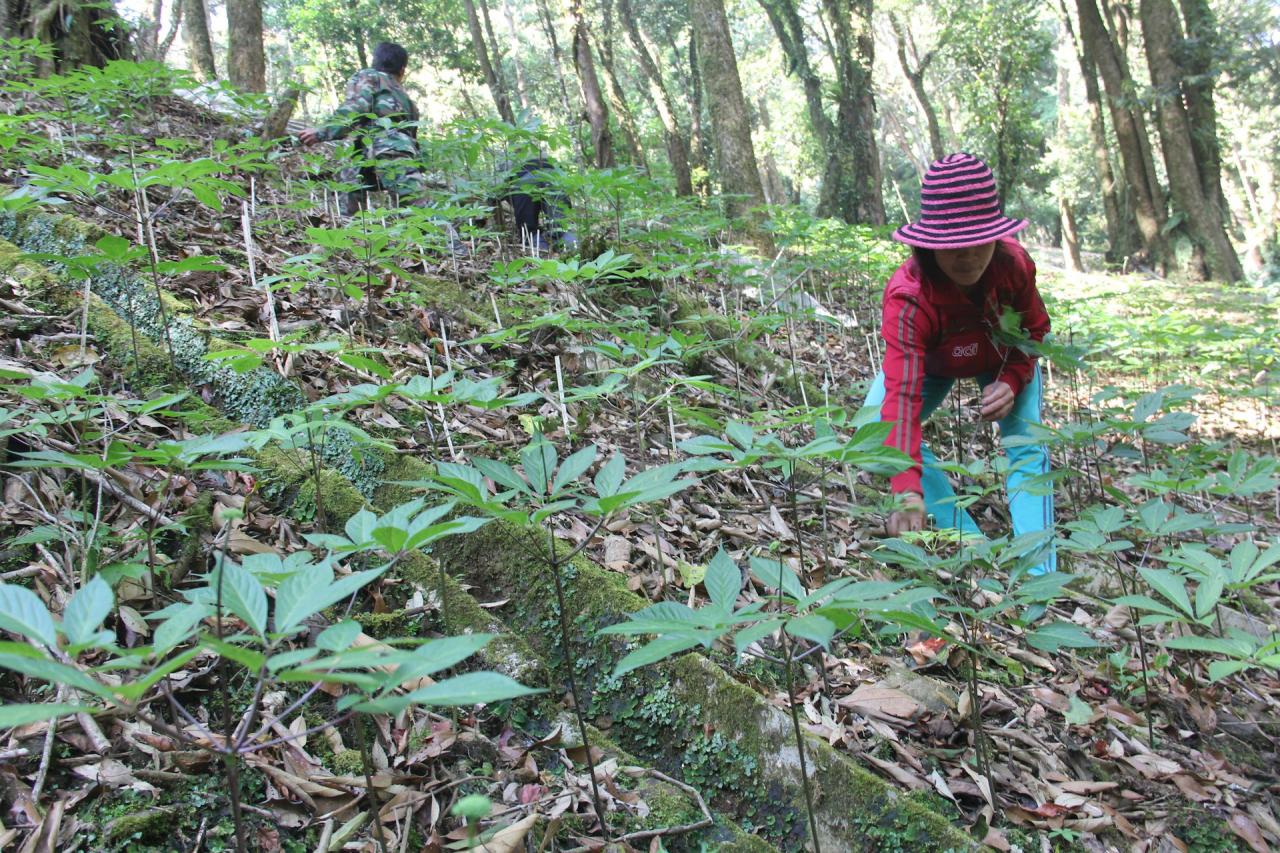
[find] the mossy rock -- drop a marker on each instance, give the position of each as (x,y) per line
(753,770)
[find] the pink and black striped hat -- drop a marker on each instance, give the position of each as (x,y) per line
(958,207)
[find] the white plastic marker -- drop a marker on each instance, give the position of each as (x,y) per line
(564,411)
(448,354)
(273,327)
(494,302)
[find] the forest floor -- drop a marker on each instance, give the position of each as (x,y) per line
(1160,397)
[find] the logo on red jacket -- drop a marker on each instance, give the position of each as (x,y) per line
(966,351)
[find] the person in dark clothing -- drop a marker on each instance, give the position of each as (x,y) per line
(537,206)
(384,117)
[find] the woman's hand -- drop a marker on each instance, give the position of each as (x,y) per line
(310,136)
(997,401)
(910,517)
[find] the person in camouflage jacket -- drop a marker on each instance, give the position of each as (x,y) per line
(385,118)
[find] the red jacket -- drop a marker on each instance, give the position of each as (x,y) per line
(933,328)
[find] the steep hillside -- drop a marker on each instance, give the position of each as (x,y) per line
(300,511)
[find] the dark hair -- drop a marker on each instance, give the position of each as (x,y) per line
(928,262)
(390,57)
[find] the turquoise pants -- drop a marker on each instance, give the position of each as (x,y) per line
(1030,512)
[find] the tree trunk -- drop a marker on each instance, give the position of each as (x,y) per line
(689,79)
(597,110)
(735,153)
(496,47)
(1131,134)
(246,56)
(1070,238)
(858,197)
(557,62)
(617,95)
(491,79)
(791,36)
(1161,32)
(777,189)
(146,37)
(1120,236)
(1197,51)
(81,34)
(522,91)
(699,147)
(677,145)
(915,76)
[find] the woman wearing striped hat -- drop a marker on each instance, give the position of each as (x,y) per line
(941,315)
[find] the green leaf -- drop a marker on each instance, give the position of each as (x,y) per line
(243,595)
(470,689)
(1150,605)
(308,592)
(37,666)
(740,434)
(473,807)
(338,638)
(812,627)
(502,474)
(178,627)
(1170,585)
(1209,593)
(1220,669)
(574,467)
(1213,645)
(360,362)
(21,715)
(359,527)
(772,572)
(754,633)
(22,612)
(1078,713)
(659,649)
(435,655)
(1058,635)
(610,475)
(723,580)
(538,460)
(85,611)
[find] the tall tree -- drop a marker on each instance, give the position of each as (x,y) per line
(735,153)
(913,68)
(592,97)
(1197,52)
(522,91)
(1005,49)
(80,33)
(1198,199)
(698,145)
(850,185)
(1121,238)
(617,95)
(859,197)
(1131,133)
(500,97)
(557,62)
(195,33)
(246,56)
(1070,238)
(677,144)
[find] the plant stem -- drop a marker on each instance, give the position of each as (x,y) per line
(224,688)
(566,641)
(799,736)
(366,760)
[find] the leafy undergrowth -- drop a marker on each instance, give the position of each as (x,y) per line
(1127,698)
